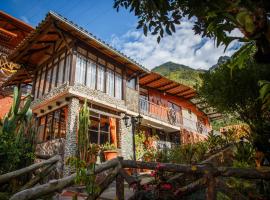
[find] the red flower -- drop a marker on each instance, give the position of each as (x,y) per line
(166,186)
(153,173)
(159,166)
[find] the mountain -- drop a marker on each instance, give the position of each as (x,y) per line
(221,60)
(180,73)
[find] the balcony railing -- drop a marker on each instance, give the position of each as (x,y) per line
(170,116)
(160,112)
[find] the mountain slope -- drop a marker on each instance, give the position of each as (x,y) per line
(180,73)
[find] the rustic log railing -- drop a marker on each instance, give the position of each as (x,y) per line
(208,179)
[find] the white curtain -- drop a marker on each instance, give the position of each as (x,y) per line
(67,69)
(80,70)
(118,86)
(91,74)
(100,78)
(110,82)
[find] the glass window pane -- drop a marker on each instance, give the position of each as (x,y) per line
(91,74)
(118,86)
(37,84)
(66,79)
(48,80)
(80,70)
(42,80)
(132,83)
(110,82)
(54,76)
(60,72)
(100,80)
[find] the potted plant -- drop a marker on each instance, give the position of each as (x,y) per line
(92,153)
(110,151)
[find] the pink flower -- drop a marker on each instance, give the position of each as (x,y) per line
(166,186)
(159,166)
(153,173)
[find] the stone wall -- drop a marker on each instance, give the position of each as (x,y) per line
(53,93)
(71,130)
(126,144)
(82,90)
(132,99)
(51,148)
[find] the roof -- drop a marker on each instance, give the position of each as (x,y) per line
(45,35)
(12,31)
(163,84)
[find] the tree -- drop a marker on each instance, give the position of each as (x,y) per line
(236,92)
(212,18)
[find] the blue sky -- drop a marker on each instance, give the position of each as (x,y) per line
(97,16)
(119,29)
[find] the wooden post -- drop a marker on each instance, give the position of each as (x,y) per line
(211,190)
(120,188)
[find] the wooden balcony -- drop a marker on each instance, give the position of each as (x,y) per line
(161,113)
(171,116)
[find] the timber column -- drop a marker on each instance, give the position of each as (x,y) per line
(71,131)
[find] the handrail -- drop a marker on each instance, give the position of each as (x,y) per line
(160,112)
(170,116)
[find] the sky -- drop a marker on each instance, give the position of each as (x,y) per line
(119,30)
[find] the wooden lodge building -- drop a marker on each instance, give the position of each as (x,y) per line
(67,64)
(12,32)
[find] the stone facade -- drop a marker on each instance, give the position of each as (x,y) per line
(126,144)
(51,148)
(52,94)
(71,130)
(132,99)
(98,96)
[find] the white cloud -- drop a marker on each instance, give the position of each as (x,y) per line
(25,19)
(183,47)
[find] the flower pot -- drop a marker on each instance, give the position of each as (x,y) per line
(110,154)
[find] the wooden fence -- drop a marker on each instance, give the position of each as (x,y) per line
(208,178)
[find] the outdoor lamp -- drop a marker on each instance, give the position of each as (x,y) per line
(126,118)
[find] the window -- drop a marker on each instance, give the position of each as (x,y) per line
(60,72)
(42,82)
(48,80)
(132,83)
(67,68)
(37,84)
(80,70)
(91,74)
(99,75)
(54,76)
(52,125)
(100,78)
(99,130)
(110,82)
(118,86)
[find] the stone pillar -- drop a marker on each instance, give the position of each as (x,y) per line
(126,140)
(71,131)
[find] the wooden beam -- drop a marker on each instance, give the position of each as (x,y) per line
(33,51)
(151,81)
(181,92)
(171,87)
(187,94)
(164,84)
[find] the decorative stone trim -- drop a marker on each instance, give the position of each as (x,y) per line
(52,94)
(98,96)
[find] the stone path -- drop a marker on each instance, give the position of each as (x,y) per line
(108,194)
